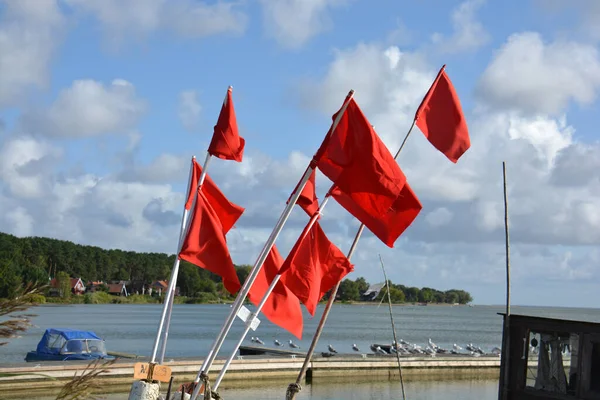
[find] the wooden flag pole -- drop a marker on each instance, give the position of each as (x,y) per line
(503,392)
(270,289)
(237,305)
(395,344)
(174,271)
(294,388)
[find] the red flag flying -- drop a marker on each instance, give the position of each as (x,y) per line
(308,198)
(282,307)
(226,142)
(361,166)
(389,226)
(227,211)
(313,267)
(205,244)
(441,119)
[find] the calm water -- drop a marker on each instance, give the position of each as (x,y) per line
(132,328)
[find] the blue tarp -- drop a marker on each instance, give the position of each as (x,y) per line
(54,339)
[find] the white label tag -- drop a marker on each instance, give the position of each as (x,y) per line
(244,314)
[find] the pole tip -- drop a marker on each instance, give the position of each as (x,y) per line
(193,157)
(351,92)
(230,88)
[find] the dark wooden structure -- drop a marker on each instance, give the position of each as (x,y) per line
(550,359)
(261,351)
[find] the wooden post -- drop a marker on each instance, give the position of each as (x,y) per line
(504,364)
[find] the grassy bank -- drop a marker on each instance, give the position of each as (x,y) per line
(105,298)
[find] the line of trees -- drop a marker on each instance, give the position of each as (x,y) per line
(37,259)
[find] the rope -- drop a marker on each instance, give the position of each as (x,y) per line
(292,390)
(206,382)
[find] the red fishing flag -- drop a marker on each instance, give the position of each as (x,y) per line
(212,217)
(226,142)
(227,211)
(308,198)
(441,119)
(313,267)
(361,167)
(282,307)
(389,226)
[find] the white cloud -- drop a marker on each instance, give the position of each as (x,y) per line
(22,161)
(22,223)
(189,109)
(439,216)
(88,108)
(139,18)
(469,34)
(532,76)
(588,10)
(292,23)
(30,32)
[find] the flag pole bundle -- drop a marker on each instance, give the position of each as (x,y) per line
(441,120)
(226,144)
(245,289)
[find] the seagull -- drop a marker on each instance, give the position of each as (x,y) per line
(331,349)
(379,350)
(355,347)
(253,339)
(404,342)
(257,340)
(497,351)
(432,345)
(277,342)
(294,345)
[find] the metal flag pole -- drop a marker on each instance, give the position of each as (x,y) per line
(310,224)
(183,233)
(175,272)
(294,388)
(203,373)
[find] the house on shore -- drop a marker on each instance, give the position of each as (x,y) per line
(117,289)
(76,285)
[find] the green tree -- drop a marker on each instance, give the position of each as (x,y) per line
(9,280)
(362,285)
(64,284)
(348,291)
(412,294)
(426,295)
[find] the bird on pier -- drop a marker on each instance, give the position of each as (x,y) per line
(355,347)
(277,342)
(331,349)
(294,345)
(379,350)
(257,340)
(432,345)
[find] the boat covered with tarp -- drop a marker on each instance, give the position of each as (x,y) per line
(68,344)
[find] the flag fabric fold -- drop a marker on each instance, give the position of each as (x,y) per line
(390,225)
(212,217)
(313,267)
(205,244)
(282,307)
(308,197)
(441,119)
(226,142)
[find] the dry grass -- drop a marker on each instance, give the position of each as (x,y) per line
(16,324)
(83,386)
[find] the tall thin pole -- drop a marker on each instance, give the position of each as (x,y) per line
(203,372)
(389,296)
(174,272)
(295,387)
(270,289)
(504,364)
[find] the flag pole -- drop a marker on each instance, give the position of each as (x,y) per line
(175,272)
(294,388)
(270,289)
(237,305)
(503,392)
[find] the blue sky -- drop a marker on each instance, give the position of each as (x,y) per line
(104,102)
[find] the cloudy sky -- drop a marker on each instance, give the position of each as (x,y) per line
(103,103)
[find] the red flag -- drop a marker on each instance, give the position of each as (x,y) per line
(205,244)
(313,267)
(360,165)
(282,307)
(441,119)
(389,226)
(308,198)
(226,142)
(227,211)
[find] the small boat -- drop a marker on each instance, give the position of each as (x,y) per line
(68,344)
